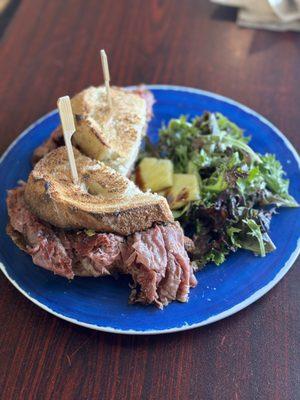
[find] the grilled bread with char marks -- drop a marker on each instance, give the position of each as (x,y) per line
(104,201)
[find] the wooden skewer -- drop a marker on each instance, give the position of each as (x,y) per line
(67,122)
(106,77)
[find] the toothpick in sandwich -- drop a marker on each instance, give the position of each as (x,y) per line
(68,126)
(106,77)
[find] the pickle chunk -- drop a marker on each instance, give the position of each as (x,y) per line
(185,189)
(154,174)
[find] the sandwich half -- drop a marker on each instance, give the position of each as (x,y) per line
(104,225)
(110,135)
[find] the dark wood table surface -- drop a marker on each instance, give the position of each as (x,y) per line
(49,49)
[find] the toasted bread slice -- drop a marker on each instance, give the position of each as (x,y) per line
(105,201)
(112,136)
(89,143)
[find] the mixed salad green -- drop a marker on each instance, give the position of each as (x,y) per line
(236,185)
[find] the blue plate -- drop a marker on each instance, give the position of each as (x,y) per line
(222,291)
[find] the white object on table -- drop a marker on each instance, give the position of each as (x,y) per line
(286,10)
(278,15)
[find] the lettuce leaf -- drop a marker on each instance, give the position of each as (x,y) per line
(236,183)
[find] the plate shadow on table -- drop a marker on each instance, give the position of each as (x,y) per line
(220,13)
(264,40)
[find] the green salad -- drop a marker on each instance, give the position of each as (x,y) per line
(223,192)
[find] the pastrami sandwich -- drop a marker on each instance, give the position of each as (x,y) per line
(112,135)
(101,226)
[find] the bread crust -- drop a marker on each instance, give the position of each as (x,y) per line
(119,206)
(112,136)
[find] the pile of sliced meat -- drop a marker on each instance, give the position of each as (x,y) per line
(156,258)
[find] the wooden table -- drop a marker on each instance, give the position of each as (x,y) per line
(50,48)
